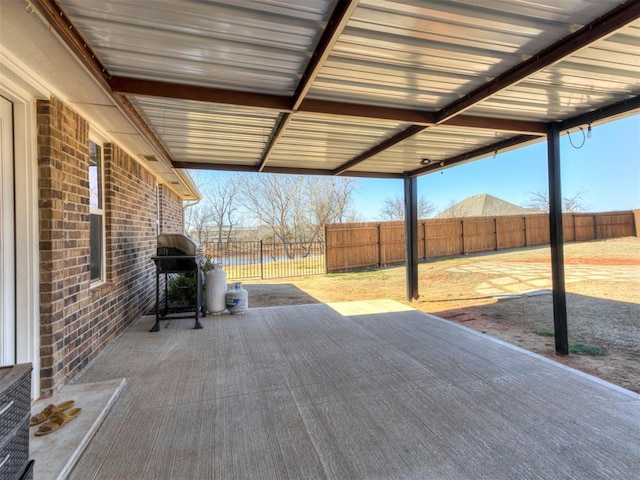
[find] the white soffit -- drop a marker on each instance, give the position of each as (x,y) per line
(47,62)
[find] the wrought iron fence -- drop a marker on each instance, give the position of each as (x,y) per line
(257,259)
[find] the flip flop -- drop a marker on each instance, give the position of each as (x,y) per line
(57,421)
(48,411)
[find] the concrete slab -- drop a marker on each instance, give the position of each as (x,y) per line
(304,392)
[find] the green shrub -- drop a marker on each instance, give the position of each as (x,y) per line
(182,289)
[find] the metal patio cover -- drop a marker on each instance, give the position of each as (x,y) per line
(361,88)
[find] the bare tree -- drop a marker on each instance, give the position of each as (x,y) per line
(539,201)
(393,208)
(329,200)
(273,200)
(195,214)
(221,195)
(575,203)
(215,214)
(197,220)
(295,207)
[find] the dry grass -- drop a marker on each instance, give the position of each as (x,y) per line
(603,314)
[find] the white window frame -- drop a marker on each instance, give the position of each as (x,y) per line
(97,139)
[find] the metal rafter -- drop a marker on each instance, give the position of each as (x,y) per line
(118,86)
(153,88)
(199,93)
(337,22)
(331,107)
(230,167)
(390,142)
(476,153)
(608,23)
(618,108)
(281,126)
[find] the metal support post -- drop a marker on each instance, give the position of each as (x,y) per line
(556,234)
(411,235)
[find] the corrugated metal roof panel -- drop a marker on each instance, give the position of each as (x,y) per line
(326,141)
(428,54)
(196,131)
(606,72)
(243,45)
(436,143)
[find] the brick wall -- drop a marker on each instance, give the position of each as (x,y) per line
(171,213)
(79,319)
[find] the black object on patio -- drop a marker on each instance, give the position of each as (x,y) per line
(177,253)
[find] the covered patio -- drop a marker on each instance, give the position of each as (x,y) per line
(369,88)
(353,390)
(362,88)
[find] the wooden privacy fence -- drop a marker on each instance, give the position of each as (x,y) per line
(375,244)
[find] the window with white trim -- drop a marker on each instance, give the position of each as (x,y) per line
(96,211)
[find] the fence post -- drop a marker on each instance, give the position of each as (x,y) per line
(424,233)
(462,235)
(261,261)
(495,230)
(379,246)
(525,230)
(326,253)
(595,227)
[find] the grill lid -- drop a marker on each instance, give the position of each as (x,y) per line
(178,244)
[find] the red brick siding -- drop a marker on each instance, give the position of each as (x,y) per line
(78,320)
(64,237)
(171,213)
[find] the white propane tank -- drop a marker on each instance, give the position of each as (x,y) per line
(237,299)
(216,282)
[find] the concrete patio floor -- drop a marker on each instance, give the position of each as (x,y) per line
(359,391)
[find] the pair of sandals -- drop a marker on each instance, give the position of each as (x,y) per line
(54,417)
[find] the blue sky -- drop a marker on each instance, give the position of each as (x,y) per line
(606,169)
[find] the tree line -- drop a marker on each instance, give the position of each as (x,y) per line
(292,209)
(287,209)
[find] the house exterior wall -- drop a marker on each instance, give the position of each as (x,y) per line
(171,212)
(78,319)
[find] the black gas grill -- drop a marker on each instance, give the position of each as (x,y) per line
(177,253)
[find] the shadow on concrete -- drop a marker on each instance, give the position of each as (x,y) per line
(276,295)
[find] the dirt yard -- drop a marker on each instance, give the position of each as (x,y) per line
(507,295)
